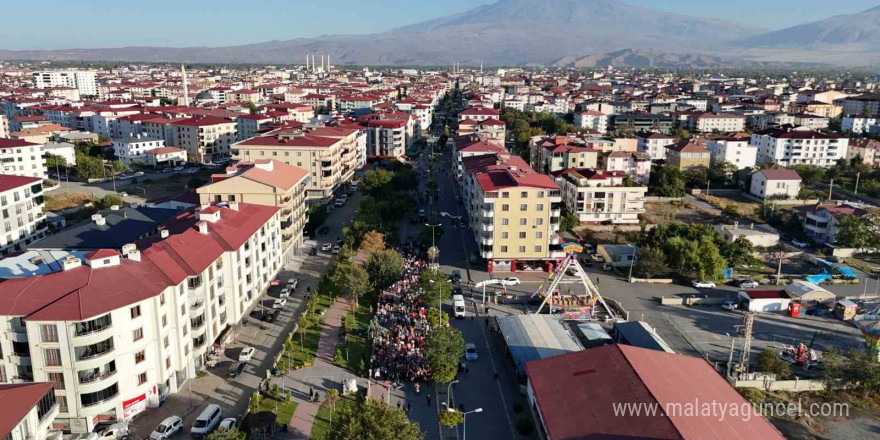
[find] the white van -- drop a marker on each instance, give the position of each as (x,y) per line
(458,305)
(206,422)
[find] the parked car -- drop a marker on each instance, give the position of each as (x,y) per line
(313,251)
(292,283)
(456,276)
(206,422)
(338,203)
(326,247)
(747,284)
(336,249)
(729,305)
(246,354)
(597,258)
(285,292)
(228,423)
(800,244)
(271,316)
(235,370)
(470,352)
(139,174)
(703,284)
(511,281)
(168,427)
(586,262)
(279,303)
(323,230)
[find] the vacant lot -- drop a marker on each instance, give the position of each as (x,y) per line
(675,212)
(60,201)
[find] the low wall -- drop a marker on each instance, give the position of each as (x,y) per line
(663,199)
(695,301)
(796,385)
(652,280)
(614,228)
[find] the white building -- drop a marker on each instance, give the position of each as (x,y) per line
(857,124)
(65,150)
(22,158)
(117,330)
(631,163)
(4,127)
(787,146)
(249,124)
(768,184)
(86,81)
(168,156)
(654,144)
(720,122)
(21,206)
(28,410)
(599,197)
(734,149)
(134,149)
(592,120)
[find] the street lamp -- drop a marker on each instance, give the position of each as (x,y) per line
(440,297)
(433,252)
(464,419)
(447,391)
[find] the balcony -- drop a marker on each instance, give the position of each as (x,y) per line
(99,401)
(94,351)
(487,214)
(92,327)
(487,227)
(487,240)
(197,323)
(16,336)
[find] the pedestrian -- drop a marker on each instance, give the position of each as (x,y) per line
(311,393)
(429,400)
(399,403)
(408,407)
(597,280)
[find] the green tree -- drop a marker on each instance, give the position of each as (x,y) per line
(227,434)
(444,347)
(384,268)
(651,262)
(697,177)
(437,317)
(681,134)
(810,174)
(251,107)
(88,167)
(731,210)
(857,232)
(109,200)
(254,404)
(372,420)
(568,222)
(430,236)
(666,182)
(54,162)
(723,172)
(771,362)
(451,418)
(433,282)
(374,181)
(352,280)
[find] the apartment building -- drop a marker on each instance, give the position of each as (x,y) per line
(770,184)
(165,156)
(479,114)
(21,205)
(820,221)
(721,122)
(592,119)
(788,146)
(205,138)
(487,128)
(857,124)
(686,154)
(329,154)
(135,148)
(249,124)
(556,153)
(514,213)
(654,144)
(817,108)
(117,330)
(865,148)
(267,182)
(733,149)
(865,105)
(21,158)
(28,410)
(4,127)
(596,196)
(470,146)
(635,164)
(386,138)
(85,81)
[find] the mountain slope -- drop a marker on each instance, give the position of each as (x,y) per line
(854,30)
(505,32)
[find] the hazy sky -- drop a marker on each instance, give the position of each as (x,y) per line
(55,24)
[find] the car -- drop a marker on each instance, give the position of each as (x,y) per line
(586,262)
(729,305)
(326,247)
(323,230)
(235,370)
(340,241)
(177,168)
(338,203)
(747,284)
(510,281)
(271,316)
(703,284)
(191,171)
(800,244)
(597,258)
(246,354)
(279,303)
(313,251)
(421,213)
(228,423)
(123,194)
(139,174)
(336,249)
(470,352)
(285,292)
(167,428)
(456,276)
(292,283)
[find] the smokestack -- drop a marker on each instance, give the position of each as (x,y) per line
(185,87)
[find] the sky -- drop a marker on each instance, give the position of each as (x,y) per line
(59,24)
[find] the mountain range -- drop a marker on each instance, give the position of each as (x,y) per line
(538,32)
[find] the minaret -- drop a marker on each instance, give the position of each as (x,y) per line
(328,61)
(481,68)
(307,61)
(185,87)
(322,62)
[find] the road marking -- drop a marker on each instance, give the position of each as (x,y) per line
(497,382)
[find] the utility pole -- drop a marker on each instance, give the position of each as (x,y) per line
(633,261)
(730,358)
(830,189)
(748,325)
(856,190)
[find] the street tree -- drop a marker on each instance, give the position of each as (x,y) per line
(375,180)
(444,347)
(373,241)
(568,222)
(651,262)
(437,317)
(351,279)
(666,182)
(771,362)
(373,420)
(384,268)
(434,285)
(451,419)
(857,232)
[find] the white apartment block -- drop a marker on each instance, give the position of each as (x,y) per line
(768,184)
(86,81)
(29,410)
(205,139)
(22,158)
(135,148)
(592,120)
(733,149)
(867,105)
(788,147)
(249,124)
(599,197)
(117,330)
(21,208)
(4,127)
(720,122)
(857,124)
(654,144)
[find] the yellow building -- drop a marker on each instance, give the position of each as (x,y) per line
(818,108)
(514,213)
(328,154)
(269,183)
(686,154)
(206,138)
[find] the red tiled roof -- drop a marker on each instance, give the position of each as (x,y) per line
(13,143)
(305,140)
(17,400)
(780,175)
(8,181)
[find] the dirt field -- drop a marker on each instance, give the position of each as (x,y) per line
(57,202)
(675,212)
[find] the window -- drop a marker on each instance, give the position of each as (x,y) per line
(523,207)
(522,235)
(537,248)
(522,248)
(140,357)
(505,221)
(49,333)
(539,207)
(523,221)
(135,312)
(168,362)
(62,403)
(524,194)
(539,221)
(162,299)
(183,309)
(58,378)
(505,195)
(505,207)
(139,334)
(142,378)
(503,248)
(52,357)
(164,321)
(504,235)
(539,234)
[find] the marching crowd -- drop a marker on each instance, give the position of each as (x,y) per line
(398,352)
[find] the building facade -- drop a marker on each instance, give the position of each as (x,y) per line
(787,146)
(601,197)
(22,158)
(205,139)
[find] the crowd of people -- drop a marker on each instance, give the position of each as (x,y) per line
(398,350)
